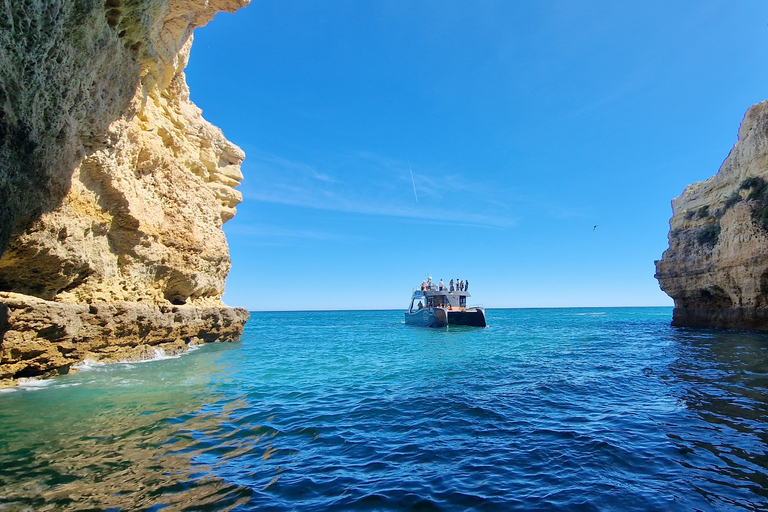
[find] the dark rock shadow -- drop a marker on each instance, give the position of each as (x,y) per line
(65,75)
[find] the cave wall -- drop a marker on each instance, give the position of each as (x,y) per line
(113,187)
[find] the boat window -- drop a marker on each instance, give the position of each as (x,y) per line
(438,301)
(417,304)
(463,301)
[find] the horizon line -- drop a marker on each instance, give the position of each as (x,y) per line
(403,309)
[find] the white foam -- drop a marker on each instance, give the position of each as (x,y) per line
(88,364)
(160,355)
(35,383)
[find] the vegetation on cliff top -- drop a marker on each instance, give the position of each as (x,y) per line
(757,188)
(759,196)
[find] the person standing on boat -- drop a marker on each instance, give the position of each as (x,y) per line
(466,285)
(441,285)
(451,284)
(462,286)
(423,286)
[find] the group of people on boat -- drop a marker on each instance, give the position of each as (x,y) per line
(440,305)
(459,286)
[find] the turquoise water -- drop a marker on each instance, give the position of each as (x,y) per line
(550,409)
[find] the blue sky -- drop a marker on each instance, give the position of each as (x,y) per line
(525,124)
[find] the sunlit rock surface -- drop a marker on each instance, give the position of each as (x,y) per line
(716,267)
(46,338)
(113,188)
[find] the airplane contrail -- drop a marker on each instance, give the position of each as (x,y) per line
(414,182)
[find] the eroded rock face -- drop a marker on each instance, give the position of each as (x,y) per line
(716,267)
(45,338)
(113,188)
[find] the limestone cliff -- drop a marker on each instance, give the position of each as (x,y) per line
(716,267)
(113,188)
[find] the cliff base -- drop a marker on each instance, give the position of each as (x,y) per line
(40,338)
(749,318)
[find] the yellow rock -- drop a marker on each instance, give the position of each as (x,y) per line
(716,267)
(113,187)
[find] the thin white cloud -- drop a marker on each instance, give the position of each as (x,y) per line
(300,168)
(365,183)
(272,234)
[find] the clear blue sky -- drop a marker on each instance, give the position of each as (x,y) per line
(525,123)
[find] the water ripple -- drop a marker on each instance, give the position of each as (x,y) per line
(543,410)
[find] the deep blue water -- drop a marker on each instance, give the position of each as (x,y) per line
(546,409)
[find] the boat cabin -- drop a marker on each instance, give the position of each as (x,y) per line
(435,298)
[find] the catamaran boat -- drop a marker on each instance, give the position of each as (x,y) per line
(435,307)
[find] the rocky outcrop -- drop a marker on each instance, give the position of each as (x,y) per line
(716,267)
(113,188)
(46,338)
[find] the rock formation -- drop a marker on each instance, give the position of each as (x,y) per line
(113,188)
(716,267)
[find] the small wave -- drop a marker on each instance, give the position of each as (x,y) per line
(88,364)
(160,355)
(35,383)
(157,354)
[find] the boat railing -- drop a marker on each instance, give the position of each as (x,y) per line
(433,288)
(476,306)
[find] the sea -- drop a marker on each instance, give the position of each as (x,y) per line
(604,409)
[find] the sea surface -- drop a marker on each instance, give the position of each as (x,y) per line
(545,409)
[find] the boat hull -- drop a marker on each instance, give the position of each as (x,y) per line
(427,317)
(439,317)
(474,317)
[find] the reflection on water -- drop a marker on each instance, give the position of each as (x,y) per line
(120,436)
(722,376)
(542,410)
